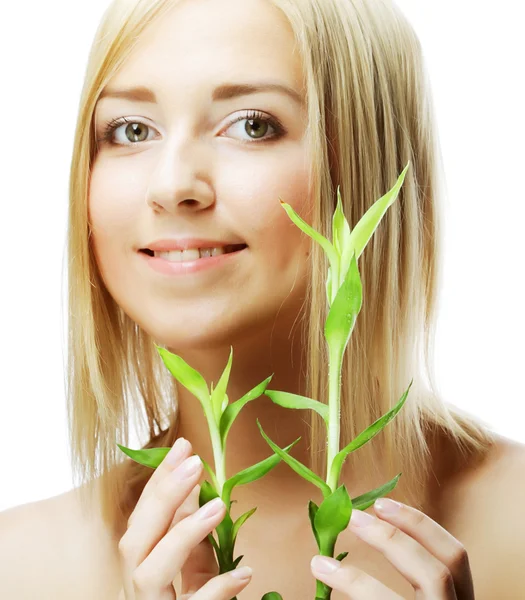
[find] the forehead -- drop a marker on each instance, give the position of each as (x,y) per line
(200,42)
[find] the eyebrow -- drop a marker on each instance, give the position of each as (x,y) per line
(226,91)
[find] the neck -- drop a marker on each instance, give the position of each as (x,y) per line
(253,361)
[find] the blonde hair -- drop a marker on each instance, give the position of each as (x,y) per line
(369,112)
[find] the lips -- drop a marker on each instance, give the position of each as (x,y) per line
(228,249)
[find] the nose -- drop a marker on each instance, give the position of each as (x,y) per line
(180,178)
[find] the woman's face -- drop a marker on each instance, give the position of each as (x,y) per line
(192,172)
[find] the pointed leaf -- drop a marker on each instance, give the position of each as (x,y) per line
(213,542)
(332,517)
(340,227)
(191,379)
(341,556)
(288,400)
(237,561)
(344,310)
(297,466)
(149,457)
(240,522)
(312,511)
(366,435)
(366,500)
(254,472)
(320,239)
(217,396)
(231,412)
(365,228)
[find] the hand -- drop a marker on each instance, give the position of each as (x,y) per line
(162,536)
(432,560)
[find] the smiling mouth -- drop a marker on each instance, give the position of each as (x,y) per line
(227,250)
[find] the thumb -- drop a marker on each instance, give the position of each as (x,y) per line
(201,565)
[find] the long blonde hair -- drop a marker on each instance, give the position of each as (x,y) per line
(369,112)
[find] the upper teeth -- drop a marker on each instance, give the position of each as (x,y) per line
(193,253)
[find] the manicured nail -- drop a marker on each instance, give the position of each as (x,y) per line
(242,573)
(188,468)
(325,565)
(361,519)
(387,506)
(179,448)
(210,509)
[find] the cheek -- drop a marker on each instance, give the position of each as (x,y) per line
(271,231)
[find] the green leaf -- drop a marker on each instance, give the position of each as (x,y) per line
(237,561)
(366,500)
(364,230)
(332,517)
(312,511)
(288,400)
(191,379)
(320,239)
(340,227)
(297,466)
(272,596)
(342,243)
(254,472)
(212,475)
(149,457)
(217,396)
(366,435)
(344,310)
(329,286)
(231,412)
(213,542)
(207,493)
(341,556)
(240,522)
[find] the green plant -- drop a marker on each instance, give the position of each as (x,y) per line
(220,415)
(344,295)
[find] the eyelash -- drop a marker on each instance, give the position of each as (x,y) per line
(111,126)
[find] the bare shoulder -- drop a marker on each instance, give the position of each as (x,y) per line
(483,509)
(51,551)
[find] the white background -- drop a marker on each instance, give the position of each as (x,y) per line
(474,54)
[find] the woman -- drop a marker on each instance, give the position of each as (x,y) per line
(175,143)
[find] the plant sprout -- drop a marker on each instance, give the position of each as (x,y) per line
(344,295)
(220,415)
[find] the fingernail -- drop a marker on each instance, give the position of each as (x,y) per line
(179,448)
(242,573)
(387,506)
(361,519)
(188,468)
(325,565)
(210,509)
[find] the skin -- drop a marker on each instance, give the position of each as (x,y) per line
(197,174)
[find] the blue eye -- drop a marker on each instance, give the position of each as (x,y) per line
(256,122)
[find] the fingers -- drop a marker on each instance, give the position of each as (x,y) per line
(161,566)
(151,553)
(201,565)
(353,582)
(178,453)
(224,586)
(152,517)
(441,544)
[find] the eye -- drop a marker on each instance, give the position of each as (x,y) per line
(134,132)
(256,127)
